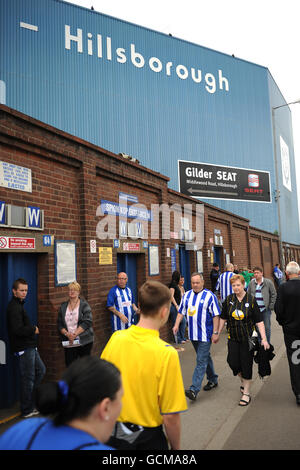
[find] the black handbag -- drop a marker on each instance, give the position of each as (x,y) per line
(252,342)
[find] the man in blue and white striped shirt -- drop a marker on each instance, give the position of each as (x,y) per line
(121,304)
(223,285)
(201,308)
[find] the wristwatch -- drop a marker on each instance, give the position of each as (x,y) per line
(215,333)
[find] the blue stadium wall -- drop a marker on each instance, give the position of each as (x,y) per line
(133,90)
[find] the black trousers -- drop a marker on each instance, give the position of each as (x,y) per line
(292,344)
(71,354)
(148,439)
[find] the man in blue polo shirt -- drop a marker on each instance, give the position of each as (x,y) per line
(201,308)
(120,303)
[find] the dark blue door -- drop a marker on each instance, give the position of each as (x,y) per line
(127,263)
(217,256)
(184,263)
(12,267)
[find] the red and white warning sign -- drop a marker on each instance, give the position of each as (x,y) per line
(20,243)
(131,246)
(3,242)
(93,246)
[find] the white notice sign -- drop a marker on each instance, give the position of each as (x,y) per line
(15,177)
(65,262)
(153,260)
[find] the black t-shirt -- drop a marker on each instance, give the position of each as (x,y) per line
(177,292)
(214,276)
(241,316)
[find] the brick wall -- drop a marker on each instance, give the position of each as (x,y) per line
(69,179)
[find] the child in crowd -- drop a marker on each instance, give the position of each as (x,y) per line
(151,375)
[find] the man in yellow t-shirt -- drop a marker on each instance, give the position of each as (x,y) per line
(151,376)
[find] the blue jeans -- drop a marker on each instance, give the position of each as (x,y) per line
(204,365)
(267,322)
(182,325)
(32,371)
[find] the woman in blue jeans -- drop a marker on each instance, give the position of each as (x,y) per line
(175,302)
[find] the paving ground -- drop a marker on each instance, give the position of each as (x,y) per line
(216,422)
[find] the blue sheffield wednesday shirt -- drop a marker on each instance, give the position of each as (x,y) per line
(122,300)
(224,286)
(199,309)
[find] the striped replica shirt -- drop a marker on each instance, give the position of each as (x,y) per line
(278,273)
(122,300)
(224,286)
(199,309)
(259,297)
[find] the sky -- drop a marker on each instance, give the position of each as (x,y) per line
(265,32)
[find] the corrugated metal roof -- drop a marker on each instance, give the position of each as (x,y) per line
(133,90)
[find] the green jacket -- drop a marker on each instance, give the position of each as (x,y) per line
(247,276)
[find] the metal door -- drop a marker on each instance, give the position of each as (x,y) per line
(184,263)
(12,267)
(127,263)
(217,256)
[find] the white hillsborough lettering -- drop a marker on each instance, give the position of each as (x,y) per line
(102,48)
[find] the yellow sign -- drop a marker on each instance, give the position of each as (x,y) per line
(105,255)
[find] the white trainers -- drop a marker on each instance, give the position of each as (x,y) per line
(31,414)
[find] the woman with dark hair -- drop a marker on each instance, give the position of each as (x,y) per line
(175,303)
(84,407)
(181,285)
